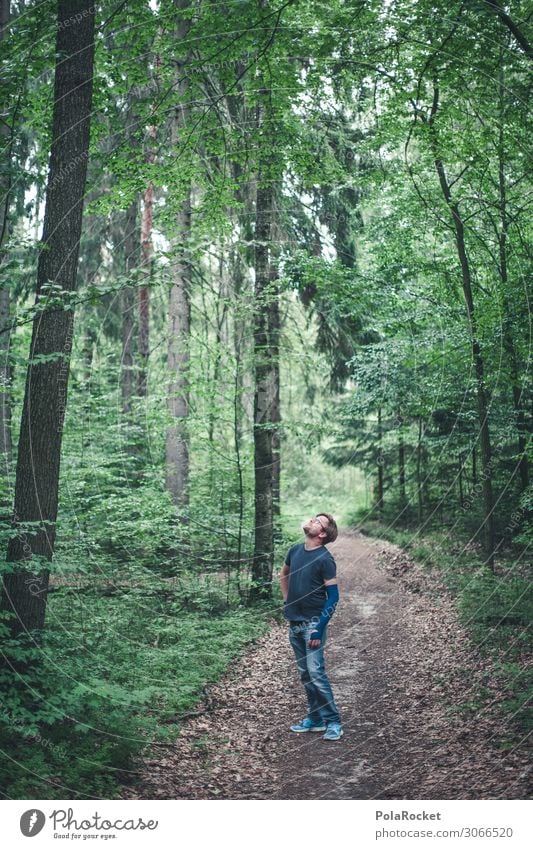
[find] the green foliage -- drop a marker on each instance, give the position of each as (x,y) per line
(501,603)
(81,710)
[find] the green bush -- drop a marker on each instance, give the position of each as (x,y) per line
(496,601)
(79,710)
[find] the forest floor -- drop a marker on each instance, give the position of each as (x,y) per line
(405,680)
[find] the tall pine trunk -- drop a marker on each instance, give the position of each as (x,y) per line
(266,352)
(264,400)
(178,359)
(274,329)
(41,429)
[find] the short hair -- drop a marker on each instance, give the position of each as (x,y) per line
(331,530)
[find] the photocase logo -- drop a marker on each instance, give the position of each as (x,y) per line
(32,822)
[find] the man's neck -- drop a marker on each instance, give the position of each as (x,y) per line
(310,543)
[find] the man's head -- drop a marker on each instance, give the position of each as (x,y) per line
(322,526)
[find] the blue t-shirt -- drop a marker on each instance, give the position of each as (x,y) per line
(307,572)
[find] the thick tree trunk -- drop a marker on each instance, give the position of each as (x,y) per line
(178,360)
(264,382)
(5,381)
(274,329)
(5,335)
(6,374)
(239,465)
(266,345)
(481,392)
(39,450)
(5,164)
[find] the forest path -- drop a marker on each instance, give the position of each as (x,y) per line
(400,668)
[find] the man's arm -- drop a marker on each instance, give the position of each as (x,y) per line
(284,581)
(332,598)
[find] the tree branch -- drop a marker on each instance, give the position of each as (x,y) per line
(495,7)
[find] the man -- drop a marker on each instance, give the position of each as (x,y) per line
(309,585)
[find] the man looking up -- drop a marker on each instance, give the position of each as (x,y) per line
(309,585)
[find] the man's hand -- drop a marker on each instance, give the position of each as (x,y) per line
(314,640)
(332,597)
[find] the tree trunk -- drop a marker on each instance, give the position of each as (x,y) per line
(266,350)
(39,450)
(177,444)
(5,163)
(127,308)
(274,329)
(5,334)
(263,561)
(238,276)
(508,342)
(401,462)
(177,449)
(419,470)
(129,238)
(380,498)
(146,266)
(481,393)
(87,356)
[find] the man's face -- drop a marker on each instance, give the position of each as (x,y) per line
(315,526)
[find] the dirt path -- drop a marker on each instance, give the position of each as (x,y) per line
(400,669)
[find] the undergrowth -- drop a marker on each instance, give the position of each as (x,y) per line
(113,674)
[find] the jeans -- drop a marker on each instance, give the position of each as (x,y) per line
(310,662)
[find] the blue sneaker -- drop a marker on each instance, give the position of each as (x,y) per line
(334,731)
(308,725)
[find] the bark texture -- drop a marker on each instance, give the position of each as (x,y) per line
(264,400)
(177,446)
(5,368)
(39,451)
